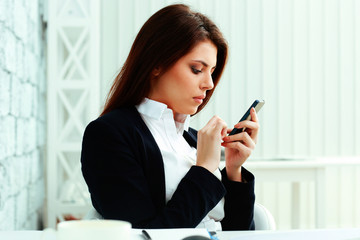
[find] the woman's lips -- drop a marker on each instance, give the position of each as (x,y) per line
(199,99)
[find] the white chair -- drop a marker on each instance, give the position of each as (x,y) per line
(262,217)
(92,214)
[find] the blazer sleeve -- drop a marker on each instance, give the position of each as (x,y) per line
(239,202)
(120,189)
(239,198)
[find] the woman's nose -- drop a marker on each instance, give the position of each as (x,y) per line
(207,83)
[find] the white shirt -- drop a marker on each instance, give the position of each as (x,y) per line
(177,154)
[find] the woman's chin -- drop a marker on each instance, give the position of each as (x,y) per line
(189,111)
(193,111)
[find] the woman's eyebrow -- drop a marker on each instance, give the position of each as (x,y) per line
(203,63)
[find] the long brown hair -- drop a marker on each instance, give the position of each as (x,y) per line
(165,37)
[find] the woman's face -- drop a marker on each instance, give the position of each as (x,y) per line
(183,87)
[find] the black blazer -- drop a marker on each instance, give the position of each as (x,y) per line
(123,168)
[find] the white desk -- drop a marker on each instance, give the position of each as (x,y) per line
(296,171)
(328,234)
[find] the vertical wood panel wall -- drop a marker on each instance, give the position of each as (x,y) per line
(301,56)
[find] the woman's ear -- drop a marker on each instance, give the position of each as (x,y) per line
(156,72)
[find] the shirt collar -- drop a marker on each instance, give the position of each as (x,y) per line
(158,110)
(151,108)
(182,122)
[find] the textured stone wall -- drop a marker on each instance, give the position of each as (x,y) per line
(22,114)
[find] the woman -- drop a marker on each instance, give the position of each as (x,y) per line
(142,162)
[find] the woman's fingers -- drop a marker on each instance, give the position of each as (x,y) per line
(253,114)
(247,124)
(244,138)
(209,143)
(217,124)
(240,147)
(252,126)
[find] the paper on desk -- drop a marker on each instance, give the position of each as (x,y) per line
(175,233)
(328,234)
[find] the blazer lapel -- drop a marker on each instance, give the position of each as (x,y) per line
(191,137)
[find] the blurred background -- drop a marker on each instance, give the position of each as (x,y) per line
(59,58)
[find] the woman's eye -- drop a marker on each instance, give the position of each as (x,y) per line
(196,71)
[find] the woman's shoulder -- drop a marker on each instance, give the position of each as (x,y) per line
(121,114)
(124,118)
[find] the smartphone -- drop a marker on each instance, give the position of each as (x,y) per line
(257,104)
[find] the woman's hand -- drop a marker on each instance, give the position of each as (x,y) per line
(239,147)
(209,143)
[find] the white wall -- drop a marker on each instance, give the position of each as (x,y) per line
(301,56)
(22,115)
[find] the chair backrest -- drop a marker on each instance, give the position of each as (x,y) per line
(92,214)
(263,219)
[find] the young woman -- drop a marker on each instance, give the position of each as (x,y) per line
(141,160)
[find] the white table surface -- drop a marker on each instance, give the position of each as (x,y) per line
(328,234)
